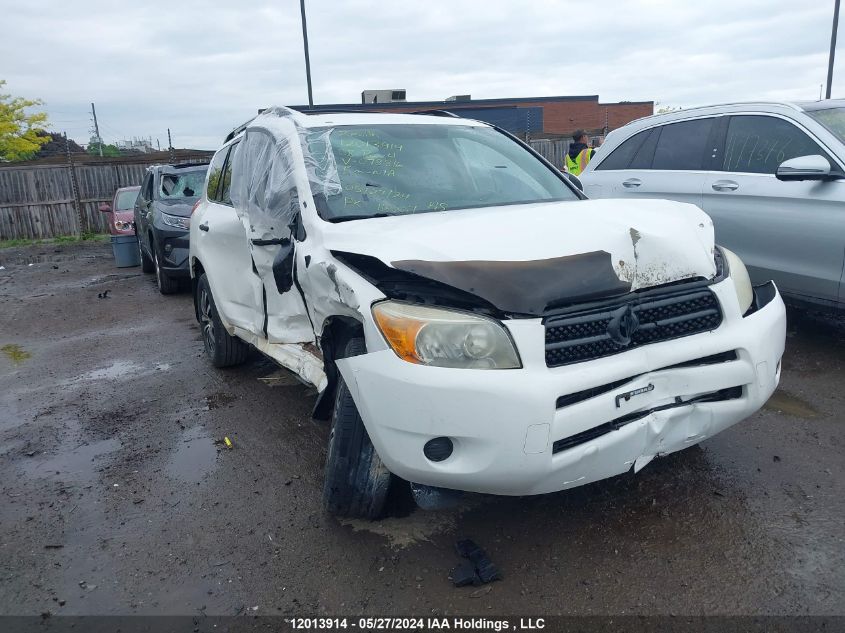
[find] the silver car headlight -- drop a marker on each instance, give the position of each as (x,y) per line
(176,221)
(445,338)
(742,282)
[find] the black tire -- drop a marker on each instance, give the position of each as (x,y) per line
(356,480)
(166,284)
(223,349)
(147,265)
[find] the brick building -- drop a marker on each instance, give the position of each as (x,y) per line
(535,116)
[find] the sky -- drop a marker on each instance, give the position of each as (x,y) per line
(201,67)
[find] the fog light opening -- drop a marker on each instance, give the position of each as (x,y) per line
(438,449)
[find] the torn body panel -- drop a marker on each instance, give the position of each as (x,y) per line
(302,359)
(525,260)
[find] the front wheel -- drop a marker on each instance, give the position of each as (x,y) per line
(147,264)
(223,349)
(356,480)
(166,284)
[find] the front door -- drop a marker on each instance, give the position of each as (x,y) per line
(792,232)
(669,164)
(268,202)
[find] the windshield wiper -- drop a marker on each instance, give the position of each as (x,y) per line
(362,216)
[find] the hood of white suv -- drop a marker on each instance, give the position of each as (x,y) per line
(529,258)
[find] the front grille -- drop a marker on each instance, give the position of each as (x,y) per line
(580,335)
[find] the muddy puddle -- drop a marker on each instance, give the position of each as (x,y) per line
(40,258)
(410,525)
(784,402)
(118,370)
(194,456)
(80,464)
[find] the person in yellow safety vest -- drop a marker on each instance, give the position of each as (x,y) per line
(579,153)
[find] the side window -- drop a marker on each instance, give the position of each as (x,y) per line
(758,144)
(146,187)
(645,155)
(621,157)
(149,190)
(225,193)
(682,146)
(215,170)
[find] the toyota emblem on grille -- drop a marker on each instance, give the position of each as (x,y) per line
(622,326)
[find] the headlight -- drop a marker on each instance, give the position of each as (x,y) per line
(177,221)
(742,282)
(445,338)
(120,225)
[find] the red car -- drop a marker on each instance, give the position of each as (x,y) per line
(120,212)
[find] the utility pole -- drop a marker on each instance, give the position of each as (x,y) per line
(170,144)
(308,60)
(97,129)
(832,47)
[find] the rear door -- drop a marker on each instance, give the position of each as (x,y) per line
(668,161)
(224,250)
(792,232)
(267,200)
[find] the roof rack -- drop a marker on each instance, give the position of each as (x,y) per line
(437,113)
(238,130)
(319,110)
(184,165)
(312,110)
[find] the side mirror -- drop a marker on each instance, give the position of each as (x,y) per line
(813,167)
(105,207)
(575,181)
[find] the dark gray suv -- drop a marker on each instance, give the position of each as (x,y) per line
(163,219)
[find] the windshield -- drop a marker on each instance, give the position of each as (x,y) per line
(187,184)
(403,169)
(833,119)
(126,200)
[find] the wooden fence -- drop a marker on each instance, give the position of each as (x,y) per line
(552,150)
(37,199)
(40,199)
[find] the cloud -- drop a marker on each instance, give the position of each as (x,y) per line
(202,67)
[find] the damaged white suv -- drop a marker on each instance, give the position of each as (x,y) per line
(470,320)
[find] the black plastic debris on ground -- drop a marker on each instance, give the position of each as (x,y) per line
(476,569)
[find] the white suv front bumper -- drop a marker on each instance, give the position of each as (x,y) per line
(504,423)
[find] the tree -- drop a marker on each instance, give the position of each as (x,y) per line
(108,150)
(21,133)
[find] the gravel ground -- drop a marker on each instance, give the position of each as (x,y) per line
(117,497)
